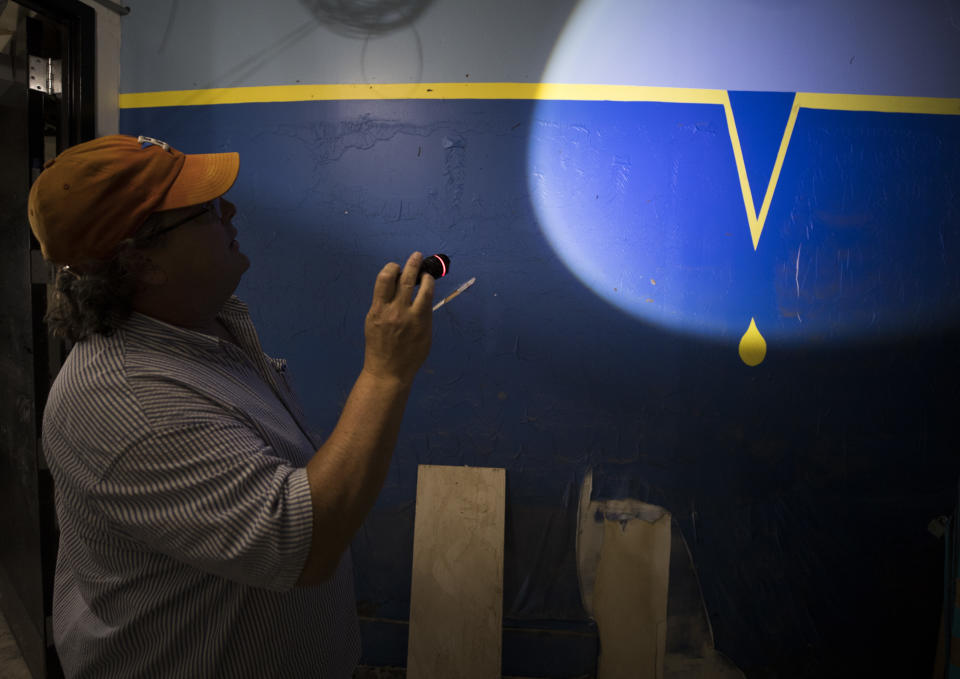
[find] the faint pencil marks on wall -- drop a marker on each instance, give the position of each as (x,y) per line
(361,18)
(244,69)
(171,17)
(953,12)
(397,57)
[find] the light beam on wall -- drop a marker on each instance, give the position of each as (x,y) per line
(703,212)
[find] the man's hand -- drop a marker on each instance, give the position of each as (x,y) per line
(398,327)
(347,473)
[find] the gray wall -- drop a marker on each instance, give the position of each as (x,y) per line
(852,46)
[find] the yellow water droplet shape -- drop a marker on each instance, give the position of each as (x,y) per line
(753,348)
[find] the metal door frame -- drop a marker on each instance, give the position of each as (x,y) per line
(32,358)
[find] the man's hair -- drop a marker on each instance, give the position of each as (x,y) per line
(100,299)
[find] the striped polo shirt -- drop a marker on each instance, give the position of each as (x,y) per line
(185,518)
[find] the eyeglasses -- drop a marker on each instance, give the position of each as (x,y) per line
(215,206)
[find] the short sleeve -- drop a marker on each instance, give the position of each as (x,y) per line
(205,489)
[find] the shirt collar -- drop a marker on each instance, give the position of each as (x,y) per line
(234,314)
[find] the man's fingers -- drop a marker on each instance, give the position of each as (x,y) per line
(408,279)
(385,289)
(424,298)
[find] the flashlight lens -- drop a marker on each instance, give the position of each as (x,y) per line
(436,265)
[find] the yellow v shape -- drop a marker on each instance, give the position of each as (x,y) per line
(757,219)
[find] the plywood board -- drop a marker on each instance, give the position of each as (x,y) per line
(630,598)
(456,593)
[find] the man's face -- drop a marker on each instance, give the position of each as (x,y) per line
(200,257)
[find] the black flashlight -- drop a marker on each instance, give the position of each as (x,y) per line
(436,265)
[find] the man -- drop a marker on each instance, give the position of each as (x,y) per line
(204,533)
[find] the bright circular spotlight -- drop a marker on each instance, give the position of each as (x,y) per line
(744,216)
(619,191)
(640,201)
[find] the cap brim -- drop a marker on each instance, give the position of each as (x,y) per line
(204,177)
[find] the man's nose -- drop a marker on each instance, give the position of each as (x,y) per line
(227,209)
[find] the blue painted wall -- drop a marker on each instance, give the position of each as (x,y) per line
(804,485)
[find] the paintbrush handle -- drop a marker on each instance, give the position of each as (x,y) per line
(453,294)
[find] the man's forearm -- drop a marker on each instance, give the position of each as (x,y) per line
(348,471)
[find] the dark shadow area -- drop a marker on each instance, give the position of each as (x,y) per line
(40,43)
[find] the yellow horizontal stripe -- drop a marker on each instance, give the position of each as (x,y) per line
(879,104)
(534,91)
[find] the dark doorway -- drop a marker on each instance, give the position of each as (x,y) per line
(46,104)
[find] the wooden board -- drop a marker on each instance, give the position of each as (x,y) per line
(630,598)
(456,593)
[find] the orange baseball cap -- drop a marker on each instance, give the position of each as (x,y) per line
(94,195)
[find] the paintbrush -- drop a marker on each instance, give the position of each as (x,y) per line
(463,286)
